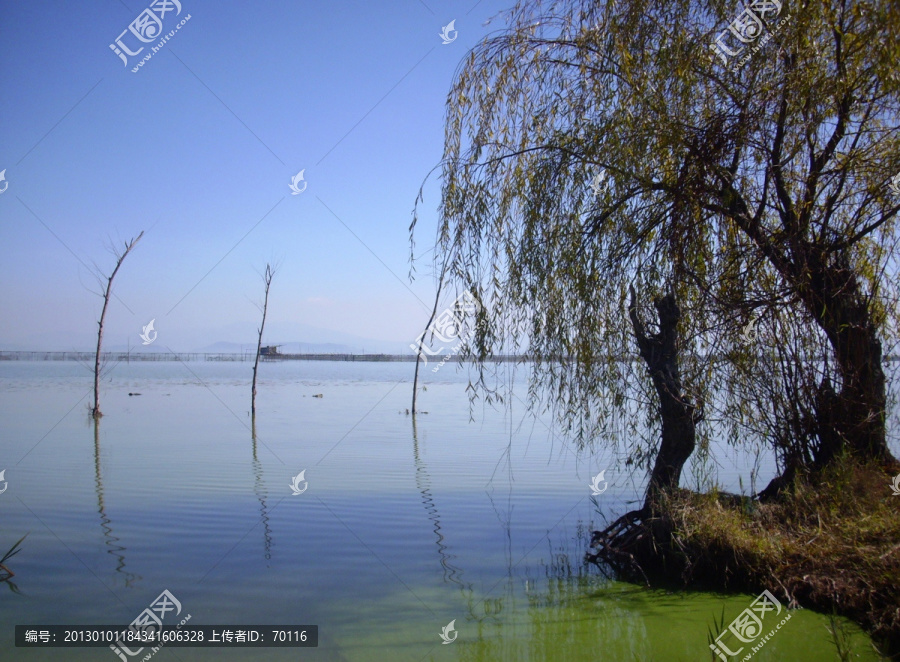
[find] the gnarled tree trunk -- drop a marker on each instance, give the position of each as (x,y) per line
(678,414)
(854,418)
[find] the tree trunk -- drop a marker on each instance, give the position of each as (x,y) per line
(95,410)
(678,414)
(267,278)
(437,297)
(854,418)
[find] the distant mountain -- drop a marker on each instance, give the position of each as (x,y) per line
(236,338)
(297,338)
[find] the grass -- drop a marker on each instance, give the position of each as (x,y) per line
(832,544)
(712,631)
(840,637)
(5,573)
(11,553)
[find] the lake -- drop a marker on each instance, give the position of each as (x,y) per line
(480,517)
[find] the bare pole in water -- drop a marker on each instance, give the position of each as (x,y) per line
(267,278)
(95,410)
(437,297)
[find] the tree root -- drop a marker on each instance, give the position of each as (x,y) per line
(617,542)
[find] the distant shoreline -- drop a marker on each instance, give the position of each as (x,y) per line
(221,356)
(249,356)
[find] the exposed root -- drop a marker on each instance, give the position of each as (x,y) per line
(617,542)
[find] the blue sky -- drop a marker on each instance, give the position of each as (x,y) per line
(198,149)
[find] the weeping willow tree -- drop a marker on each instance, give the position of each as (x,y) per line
(735,160)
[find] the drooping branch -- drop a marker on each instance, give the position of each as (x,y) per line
(571,156)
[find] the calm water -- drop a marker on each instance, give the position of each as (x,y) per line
(400,530)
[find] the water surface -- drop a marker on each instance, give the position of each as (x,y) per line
(401,528)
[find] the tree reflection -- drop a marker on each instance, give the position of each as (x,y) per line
(259,490)
(423,484)
(114,549)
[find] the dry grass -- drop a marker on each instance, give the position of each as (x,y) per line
(833,545)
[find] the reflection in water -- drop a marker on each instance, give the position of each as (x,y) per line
(563,611)
(261,494)
(115,549)
(492,607)
(6,574)
(423,484)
